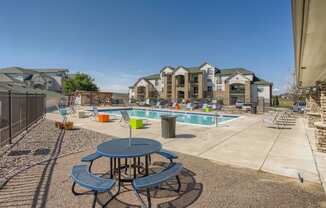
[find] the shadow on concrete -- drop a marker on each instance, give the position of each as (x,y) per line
(166,196)
(185,136)
(283,127)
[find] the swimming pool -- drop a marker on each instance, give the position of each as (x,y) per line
(182,117)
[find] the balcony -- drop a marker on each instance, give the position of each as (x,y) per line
(180,88)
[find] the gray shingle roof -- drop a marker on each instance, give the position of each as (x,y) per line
(20,70)
(17,70)
(193,69)
(14,87)
(52,70)
(167,67)
(230,71)
(260,81)
(153,77)
(6,78)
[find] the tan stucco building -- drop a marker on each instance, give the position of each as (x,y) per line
(309,29)
(202,82)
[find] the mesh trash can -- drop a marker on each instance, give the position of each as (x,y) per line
(168,126)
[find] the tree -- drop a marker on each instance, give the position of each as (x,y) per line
(277,103)
(80,81)
(295,93)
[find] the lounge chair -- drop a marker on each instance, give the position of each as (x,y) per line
(94,110)
(64,112)
(153,181)
(189,106)
(158,105)
(96,184)
(126,118)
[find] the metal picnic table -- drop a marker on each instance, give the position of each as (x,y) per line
(126,148)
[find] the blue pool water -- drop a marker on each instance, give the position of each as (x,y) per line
(182,117)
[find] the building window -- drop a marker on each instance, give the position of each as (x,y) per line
(195,79)
(209,89)
(195,90)
(156,83)
(218,80)
(237,88)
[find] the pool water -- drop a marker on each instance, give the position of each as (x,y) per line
(182,117)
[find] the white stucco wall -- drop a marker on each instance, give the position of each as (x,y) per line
(168,70)
(142,83)
(223,78)
(250,77)
(209,74)
(131,93)
(238,79)
(180,71)
(156,84)
(264,91)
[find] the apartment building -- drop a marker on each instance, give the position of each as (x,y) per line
(203,82)
(49,79)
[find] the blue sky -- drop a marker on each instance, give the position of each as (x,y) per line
(117,41)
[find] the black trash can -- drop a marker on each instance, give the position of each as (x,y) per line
(168,126)
(253,109)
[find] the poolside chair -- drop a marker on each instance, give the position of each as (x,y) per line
(95,184)
(158,105)
(64,112)
(154,181)
(147,102)
(189,106)
(125,117)
(95,110)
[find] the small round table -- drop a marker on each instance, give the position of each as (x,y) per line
(122,149)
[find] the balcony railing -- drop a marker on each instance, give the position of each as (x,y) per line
(239,91)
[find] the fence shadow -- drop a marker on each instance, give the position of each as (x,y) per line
(30,187)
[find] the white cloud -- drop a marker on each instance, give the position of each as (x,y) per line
(115,81)
(276,89)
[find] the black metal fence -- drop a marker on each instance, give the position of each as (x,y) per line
(18,111)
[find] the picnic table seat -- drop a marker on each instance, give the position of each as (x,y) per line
(81,176)
(168,154)
(90,159)
(153,181)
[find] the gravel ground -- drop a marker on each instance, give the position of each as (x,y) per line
(204,183)
(40,144)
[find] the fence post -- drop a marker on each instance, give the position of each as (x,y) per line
(10,115)
(44,104)
(26,111)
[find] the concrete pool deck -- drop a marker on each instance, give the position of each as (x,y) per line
(244,142)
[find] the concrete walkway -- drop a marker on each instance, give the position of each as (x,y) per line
(245,142)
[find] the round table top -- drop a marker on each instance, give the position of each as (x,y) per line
(120,148)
